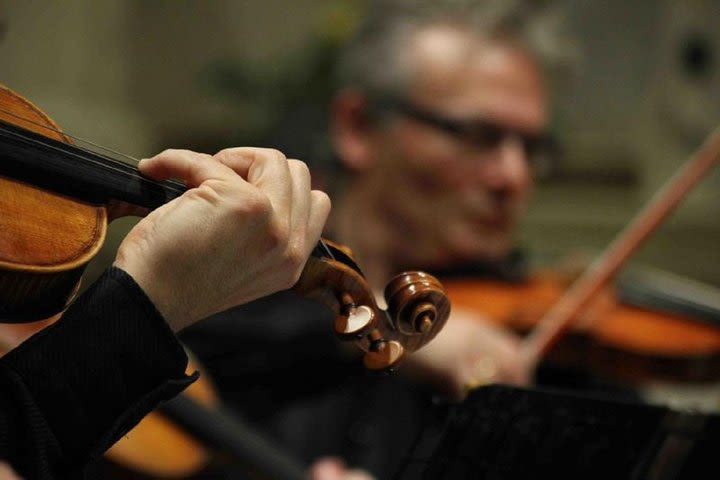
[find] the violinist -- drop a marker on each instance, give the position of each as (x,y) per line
(440,114)
(439,153)
(244,229)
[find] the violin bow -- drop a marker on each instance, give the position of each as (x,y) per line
(558,319)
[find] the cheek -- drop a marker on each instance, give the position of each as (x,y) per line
(440,178)
(425,161)
(435,172)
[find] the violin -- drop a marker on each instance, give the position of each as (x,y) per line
(612,337)
(56,200)
(584,324)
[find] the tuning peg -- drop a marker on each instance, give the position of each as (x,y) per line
(353,320)
(383,355)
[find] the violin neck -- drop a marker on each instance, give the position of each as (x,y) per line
(67,169)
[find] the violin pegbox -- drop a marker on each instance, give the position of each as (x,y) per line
(417,306)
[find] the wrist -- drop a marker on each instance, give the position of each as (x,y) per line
(160,296)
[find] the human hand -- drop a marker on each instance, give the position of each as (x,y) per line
(7,473)
(332,468)
(469,352)
(243,230)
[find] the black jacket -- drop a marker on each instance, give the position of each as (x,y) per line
(69,392)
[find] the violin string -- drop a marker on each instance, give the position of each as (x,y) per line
(96,153)
(49,143)
(133,161)
(172,185)
(92,158)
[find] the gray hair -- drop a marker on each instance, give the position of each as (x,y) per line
(375,59)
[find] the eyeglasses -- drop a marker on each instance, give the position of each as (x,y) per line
(480,134)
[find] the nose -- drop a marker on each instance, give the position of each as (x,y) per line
(507,167)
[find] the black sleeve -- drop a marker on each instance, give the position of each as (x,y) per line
(69,392)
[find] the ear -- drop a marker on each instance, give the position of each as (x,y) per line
(351,129)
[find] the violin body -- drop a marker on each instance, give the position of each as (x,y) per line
(158,447)
(608,338)
(46,239)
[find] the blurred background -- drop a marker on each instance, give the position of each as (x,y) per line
(140,76)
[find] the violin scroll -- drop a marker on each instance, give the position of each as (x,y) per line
(417,306)
(418,302)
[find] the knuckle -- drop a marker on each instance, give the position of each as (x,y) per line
(275,154)
(322,200)
(276,238)
(257,204)
(296,256)
(279,235)
(254,209)
(225,154)
(299,167)
(204,192)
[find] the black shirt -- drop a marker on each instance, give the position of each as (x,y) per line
(70,391)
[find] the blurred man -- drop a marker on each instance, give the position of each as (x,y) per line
(439,120)
(440,115)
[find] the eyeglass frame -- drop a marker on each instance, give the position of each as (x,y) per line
(540,149)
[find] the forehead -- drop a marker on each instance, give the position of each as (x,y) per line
(467,76)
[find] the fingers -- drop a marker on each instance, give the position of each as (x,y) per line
(191,167)
(239,158)
(333,468)
(286,183)
(304,210)
(268,170)
(327,468)
(301,196)
(319,211)
(310,208)
(7,473)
